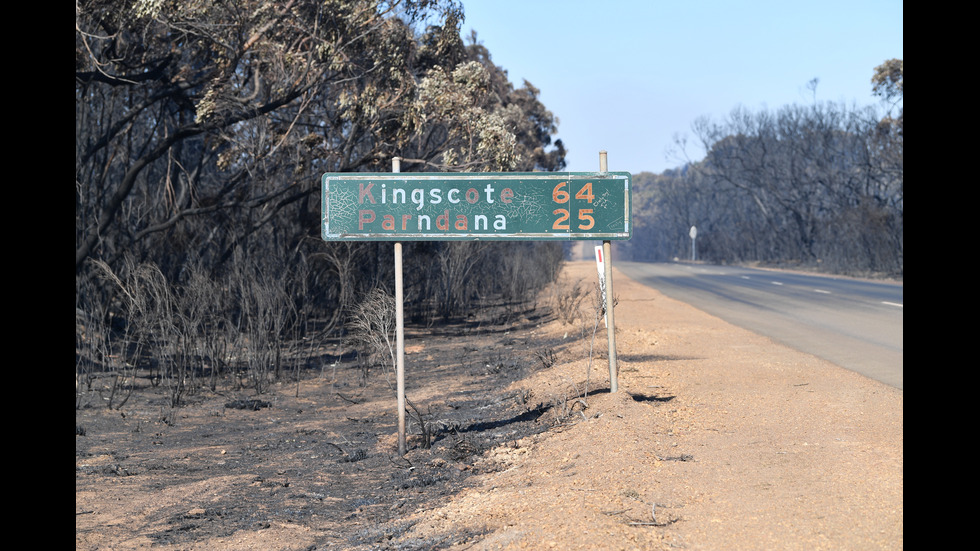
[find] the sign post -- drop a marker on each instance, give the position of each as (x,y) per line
(608,298)
(399,333)
(477,206)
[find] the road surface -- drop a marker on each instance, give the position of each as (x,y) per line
(856,324)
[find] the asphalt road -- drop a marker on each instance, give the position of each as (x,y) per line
(856,324)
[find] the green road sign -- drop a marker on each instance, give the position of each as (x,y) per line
(502,206)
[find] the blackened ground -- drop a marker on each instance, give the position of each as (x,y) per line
(319,453)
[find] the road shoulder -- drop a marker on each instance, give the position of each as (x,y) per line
(717,439)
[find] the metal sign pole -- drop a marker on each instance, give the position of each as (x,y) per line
(608,299)
(399,333)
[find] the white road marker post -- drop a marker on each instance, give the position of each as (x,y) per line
(608,298)
(601,268)
(399,333)
(694,244)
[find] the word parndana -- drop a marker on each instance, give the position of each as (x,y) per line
(471,206)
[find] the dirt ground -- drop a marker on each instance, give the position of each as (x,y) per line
(717,439)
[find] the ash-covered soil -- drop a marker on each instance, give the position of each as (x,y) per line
(316,457)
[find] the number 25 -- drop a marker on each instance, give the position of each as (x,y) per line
(584,215)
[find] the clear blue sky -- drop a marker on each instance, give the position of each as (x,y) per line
(629,76)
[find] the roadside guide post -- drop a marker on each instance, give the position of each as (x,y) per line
(601,268)
(600,265)
(477,206)
(694,248)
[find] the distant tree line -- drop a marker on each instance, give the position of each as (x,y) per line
(201,131)
(817,185)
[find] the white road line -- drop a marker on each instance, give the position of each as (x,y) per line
(776,282)
(824,291)
(893,304)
